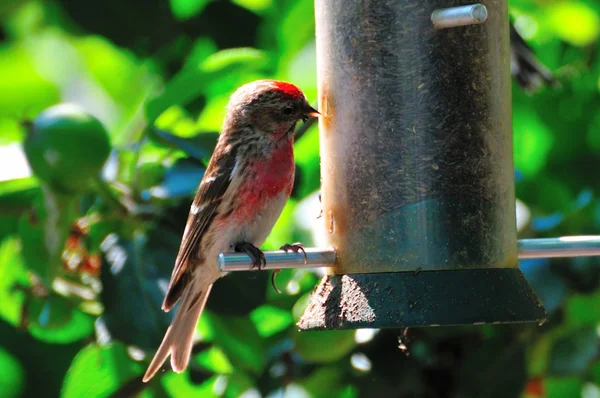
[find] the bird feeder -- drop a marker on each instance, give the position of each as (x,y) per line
(417,171)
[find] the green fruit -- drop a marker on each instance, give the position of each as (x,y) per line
(66,147)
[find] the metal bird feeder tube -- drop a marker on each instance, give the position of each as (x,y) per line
(417,168)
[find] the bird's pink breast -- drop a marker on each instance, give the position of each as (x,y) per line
(267,180)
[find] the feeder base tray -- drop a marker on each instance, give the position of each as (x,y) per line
(426,298)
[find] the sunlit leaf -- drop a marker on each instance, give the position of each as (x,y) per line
(306,154)
(12,376)
(532,141)
(180,385)
(99,371)
(24,93)
(215,360)
(574,21)
(257,6)
(78,326)
(185,9)
(192,83)
(12,273)
(270,320)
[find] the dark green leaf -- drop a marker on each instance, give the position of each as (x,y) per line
(573,352)
(200,146)
(180,181)
(324,346)
(132,294)
(249,287)
(239,340)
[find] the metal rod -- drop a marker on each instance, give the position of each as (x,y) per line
(565,246)
(459,16)
(278,259)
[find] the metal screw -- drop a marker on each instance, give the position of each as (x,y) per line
(471,14)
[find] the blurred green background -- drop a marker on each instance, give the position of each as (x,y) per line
(157,73)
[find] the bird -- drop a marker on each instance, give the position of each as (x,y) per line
(247,182)
(525,68)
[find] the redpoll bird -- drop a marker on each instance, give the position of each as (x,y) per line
(525,67)
(247,182)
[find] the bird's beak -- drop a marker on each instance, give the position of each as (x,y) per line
(310,112)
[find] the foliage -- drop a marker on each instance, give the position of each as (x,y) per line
(84,320)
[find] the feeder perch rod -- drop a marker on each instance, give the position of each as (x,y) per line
(566,246)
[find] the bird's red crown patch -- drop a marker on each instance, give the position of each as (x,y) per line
(289,89)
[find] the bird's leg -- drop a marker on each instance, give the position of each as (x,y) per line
(296,247)
(257,256)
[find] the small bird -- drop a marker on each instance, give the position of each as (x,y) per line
(527,70)
(247,182)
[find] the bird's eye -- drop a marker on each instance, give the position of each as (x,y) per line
(287,111)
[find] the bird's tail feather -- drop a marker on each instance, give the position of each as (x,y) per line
(178,338)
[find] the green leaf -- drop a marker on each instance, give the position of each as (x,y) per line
(99,371)
(12,376)
(250,292)
(574,22)
(532,140)
(78,326)
(132,293)
(240,341)
(185,9)
(306,153)
(256,6)
(555,387)
(12,272)
(190,83)
(325,381)
(270,320)
(200,146)
(11,189)
(24,91)
(180,385)
(324,346)
(44,232)
(573,352)
(180,180)
(583,309)
(214,359)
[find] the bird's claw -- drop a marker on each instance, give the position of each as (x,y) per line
(296,247)
(273,282)
(257,256)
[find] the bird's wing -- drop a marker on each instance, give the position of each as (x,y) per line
(204,209)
